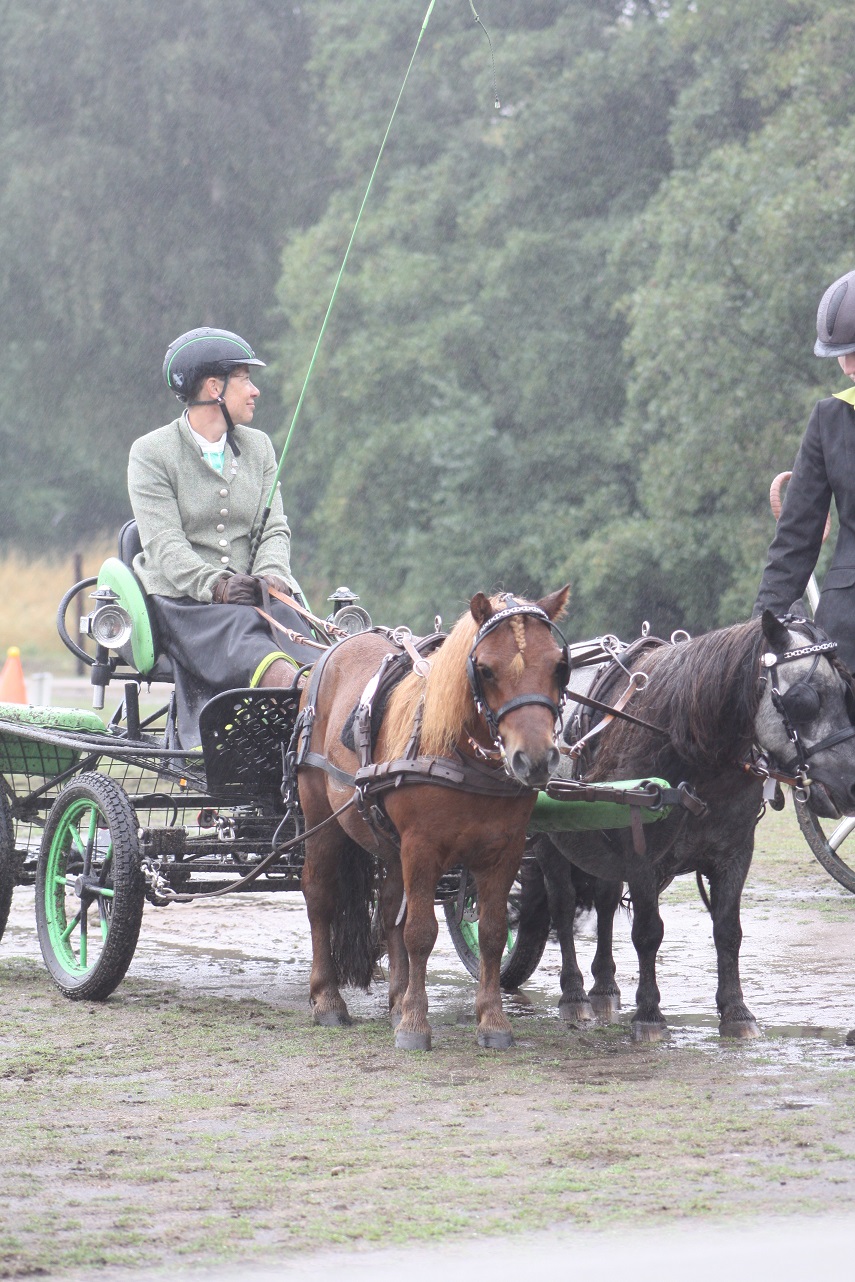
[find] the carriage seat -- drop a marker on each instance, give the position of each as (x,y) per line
(142,651)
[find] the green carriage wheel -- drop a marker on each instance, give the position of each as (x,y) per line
(90,891)
(528,930)
(7,860)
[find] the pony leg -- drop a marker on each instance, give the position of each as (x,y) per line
(605,995)
(420,930)
(392,908)
(648,1022)
(573,1005)
(494,1028)
(735,1019)
(320,890)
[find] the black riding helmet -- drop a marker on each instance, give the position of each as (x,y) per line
(835,319)
(205,353)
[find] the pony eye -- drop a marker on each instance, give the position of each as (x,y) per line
(487,674)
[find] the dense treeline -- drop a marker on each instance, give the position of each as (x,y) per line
(574,336)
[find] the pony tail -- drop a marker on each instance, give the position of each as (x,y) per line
(353,949)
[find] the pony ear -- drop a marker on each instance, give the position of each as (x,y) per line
(481,608)
(774,631)
(555,604)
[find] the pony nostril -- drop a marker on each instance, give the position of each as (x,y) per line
(535,774)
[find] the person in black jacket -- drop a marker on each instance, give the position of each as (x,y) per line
(824,467)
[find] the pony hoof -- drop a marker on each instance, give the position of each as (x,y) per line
(605,1005)
(332,1018)
(742,1029)
(406,1041)
(645,1032)
(494,1040)
(576,1012)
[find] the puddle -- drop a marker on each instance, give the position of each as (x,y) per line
(796,969)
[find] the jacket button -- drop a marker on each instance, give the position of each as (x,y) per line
(220,528)
(225,560)
(224,543)
(223,493)
(224,511)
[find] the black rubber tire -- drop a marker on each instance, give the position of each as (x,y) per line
(111,848)
(7,860)
(816,838)
(528,929)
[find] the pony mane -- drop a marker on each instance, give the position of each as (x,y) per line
(703,694)
(449,709)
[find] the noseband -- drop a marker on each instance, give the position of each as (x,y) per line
(476,685)
(800,702)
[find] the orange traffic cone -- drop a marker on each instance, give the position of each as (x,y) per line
(12,687)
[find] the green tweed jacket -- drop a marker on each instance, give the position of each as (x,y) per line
(195,524)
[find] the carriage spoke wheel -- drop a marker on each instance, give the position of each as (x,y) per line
(833,845)
(528,930)
(90,891)
(7,860)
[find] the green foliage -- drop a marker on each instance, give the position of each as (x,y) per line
(728,263)
(151,158)
(467,390)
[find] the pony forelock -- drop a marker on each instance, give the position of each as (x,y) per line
(449,709)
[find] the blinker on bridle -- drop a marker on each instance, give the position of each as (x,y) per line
(800,703)
(476,685)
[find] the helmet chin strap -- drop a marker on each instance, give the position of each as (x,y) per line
(230,427)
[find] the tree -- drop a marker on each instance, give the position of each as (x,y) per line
(152,160)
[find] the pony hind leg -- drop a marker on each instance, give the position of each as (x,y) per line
(337,885)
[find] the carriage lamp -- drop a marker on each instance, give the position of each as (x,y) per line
(347,615)
(109,624)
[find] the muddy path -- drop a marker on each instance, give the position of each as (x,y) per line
(198,1116)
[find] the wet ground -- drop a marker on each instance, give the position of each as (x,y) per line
(198,1119)
(798,956)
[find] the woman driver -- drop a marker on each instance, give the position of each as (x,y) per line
(198,488)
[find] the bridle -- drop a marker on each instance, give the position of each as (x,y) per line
(476,685)
(800,702)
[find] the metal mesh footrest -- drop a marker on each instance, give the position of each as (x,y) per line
(245,734)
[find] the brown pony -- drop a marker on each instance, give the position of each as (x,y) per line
(515,660)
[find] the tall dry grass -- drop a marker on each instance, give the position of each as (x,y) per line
(30,592)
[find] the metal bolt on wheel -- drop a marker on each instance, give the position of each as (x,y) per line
(90,891)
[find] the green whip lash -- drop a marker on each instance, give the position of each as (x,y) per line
(256,542)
